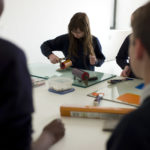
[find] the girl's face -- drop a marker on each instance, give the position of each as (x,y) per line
(78,33)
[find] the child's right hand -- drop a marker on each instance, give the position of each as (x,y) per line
(53,58)
(55,130)
(126,71)
(51,134)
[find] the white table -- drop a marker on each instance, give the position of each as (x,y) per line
(81,133)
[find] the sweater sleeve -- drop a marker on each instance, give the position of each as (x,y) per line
(98,52)
(121,137)
(131,133)
(122,56)
(56,44)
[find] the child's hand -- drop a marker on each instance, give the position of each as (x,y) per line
(55,129)
(93,60)
(126,72)
(51,134)
(53,58)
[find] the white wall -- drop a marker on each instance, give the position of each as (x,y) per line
(30,22)
(124,10)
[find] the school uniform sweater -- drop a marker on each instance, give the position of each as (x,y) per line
(122,57)
(16,104)
(61,43)
(133,131)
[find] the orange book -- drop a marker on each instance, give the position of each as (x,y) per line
(94,112)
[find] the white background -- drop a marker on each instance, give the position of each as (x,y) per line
(30,22)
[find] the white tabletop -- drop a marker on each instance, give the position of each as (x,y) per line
(81,133)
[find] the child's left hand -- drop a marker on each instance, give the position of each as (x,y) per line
(93,60)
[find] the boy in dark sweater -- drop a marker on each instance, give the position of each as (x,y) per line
(16,104)
(133,132)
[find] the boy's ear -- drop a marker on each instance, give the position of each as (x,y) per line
(139,49)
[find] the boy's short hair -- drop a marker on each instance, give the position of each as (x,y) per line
(141,25)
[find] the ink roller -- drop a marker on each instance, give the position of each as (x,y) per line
(67,63)
(84,76)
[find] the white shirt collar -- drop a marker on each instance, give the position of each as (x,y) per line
(146,93)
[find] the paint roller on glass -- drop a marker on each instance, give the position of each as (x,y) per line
(80,74)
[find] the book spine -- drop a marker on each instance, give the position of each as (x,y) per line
(95,115)
(94,112)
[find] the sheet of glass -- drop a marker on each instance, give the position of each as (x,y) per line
(101,77)
(48,70)
(43,70)
(77,82)
(115,90)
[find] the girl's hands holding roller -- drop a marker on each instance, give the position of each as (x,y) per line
(53,58)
